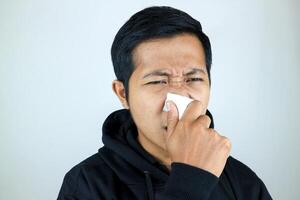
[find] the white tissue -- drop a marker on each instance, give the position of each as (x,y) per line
(181,102)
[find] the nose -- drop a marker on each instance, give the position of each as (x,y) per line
(177,86)
(176,81)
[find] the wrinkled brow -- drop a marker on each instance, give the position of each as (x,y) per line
(164,73)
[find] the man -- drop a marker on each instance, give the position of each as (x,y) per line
(152,154)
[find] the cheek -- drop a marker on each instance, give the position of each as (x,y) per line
(152,101)
(146,106)
(201,94)
(153,105)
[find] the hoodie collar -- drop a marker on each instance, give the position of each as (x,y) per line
(120,137)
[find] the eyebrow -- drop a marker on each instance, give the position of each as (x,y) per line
(195,71)
(157,73)
(164,73)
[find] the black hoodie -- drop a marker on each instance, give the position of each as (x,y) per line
(123,169)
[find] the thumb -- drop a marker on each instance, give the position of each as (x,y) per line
(172,118)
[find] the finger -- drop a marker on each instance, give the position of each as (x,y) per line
(172,118)
(204,120)
(193,111)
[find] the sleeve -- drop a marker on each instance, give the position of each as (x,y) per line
(187,182)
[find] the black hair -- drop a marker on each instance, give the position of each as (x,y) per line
(153,23)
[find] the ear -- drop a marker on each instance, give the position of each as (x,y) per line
(119,90)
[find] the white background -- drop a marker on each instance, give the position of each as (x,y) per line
(56,74)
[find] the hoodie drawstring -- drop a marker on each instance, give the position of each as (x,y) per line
(149,185)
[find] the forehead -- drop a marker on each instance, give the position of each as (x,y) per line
(176,53)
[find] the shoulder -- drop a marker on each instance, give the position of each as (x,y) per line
(93,165)
(245,180)
(241,169)
(83,178)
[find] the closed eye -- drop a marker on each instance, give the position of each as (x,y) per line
(158,82)
(194,79)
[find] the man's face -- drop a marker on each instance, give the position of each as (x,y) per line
(174,57)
